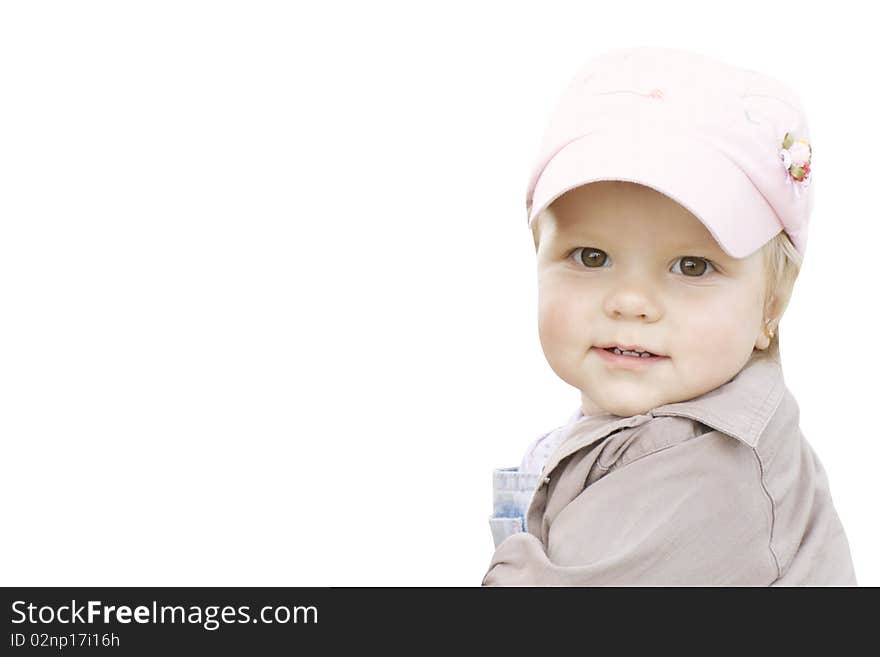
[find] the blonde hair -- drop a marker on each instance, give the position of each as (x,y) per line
(782,264)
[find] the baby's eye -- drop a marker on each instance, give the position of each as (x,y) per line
(692,266)
(590,257)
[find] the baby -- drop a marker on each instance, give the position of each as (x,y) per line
(669,209)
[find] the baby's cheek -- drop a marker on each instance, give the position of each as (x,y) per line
(704,332)
(559,320)
(552,323)
(720,327)
(563,339)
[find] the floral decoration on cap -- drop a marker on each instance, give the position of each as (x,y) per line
(796,155)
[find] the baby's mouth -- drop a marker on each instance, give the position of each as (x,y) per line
(627,352)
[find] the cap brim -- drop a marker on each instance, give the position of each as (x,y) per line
(680,165)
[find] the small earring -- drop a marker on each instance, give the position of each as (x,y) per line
(768,329)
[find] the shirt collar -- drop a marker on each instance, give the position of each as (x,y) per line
(742,407)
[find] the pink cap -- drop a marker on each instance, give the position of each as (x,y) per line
(729,144)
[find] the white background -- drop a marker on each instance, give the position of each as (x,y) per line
(267,293)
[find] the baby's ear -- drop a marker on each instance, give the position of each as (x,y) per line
(762,341)
(776,305)
(769,322)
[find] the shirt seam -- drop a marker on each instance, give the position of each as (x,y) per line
(772,513)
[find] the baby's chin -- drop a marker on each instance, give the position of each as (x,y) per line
(622,406)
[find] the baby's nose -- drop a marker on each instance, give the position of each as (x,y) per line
(632,304)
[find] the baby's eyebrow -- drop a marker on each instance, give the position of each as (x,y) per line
(679,247)
(695,246)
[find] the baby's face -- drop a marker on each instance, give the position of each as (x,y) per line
(624,264)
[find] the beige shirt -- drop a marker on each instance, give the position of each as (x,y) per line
(721,490)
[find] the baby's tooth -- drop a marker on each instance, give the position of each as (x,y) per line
(637,354)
